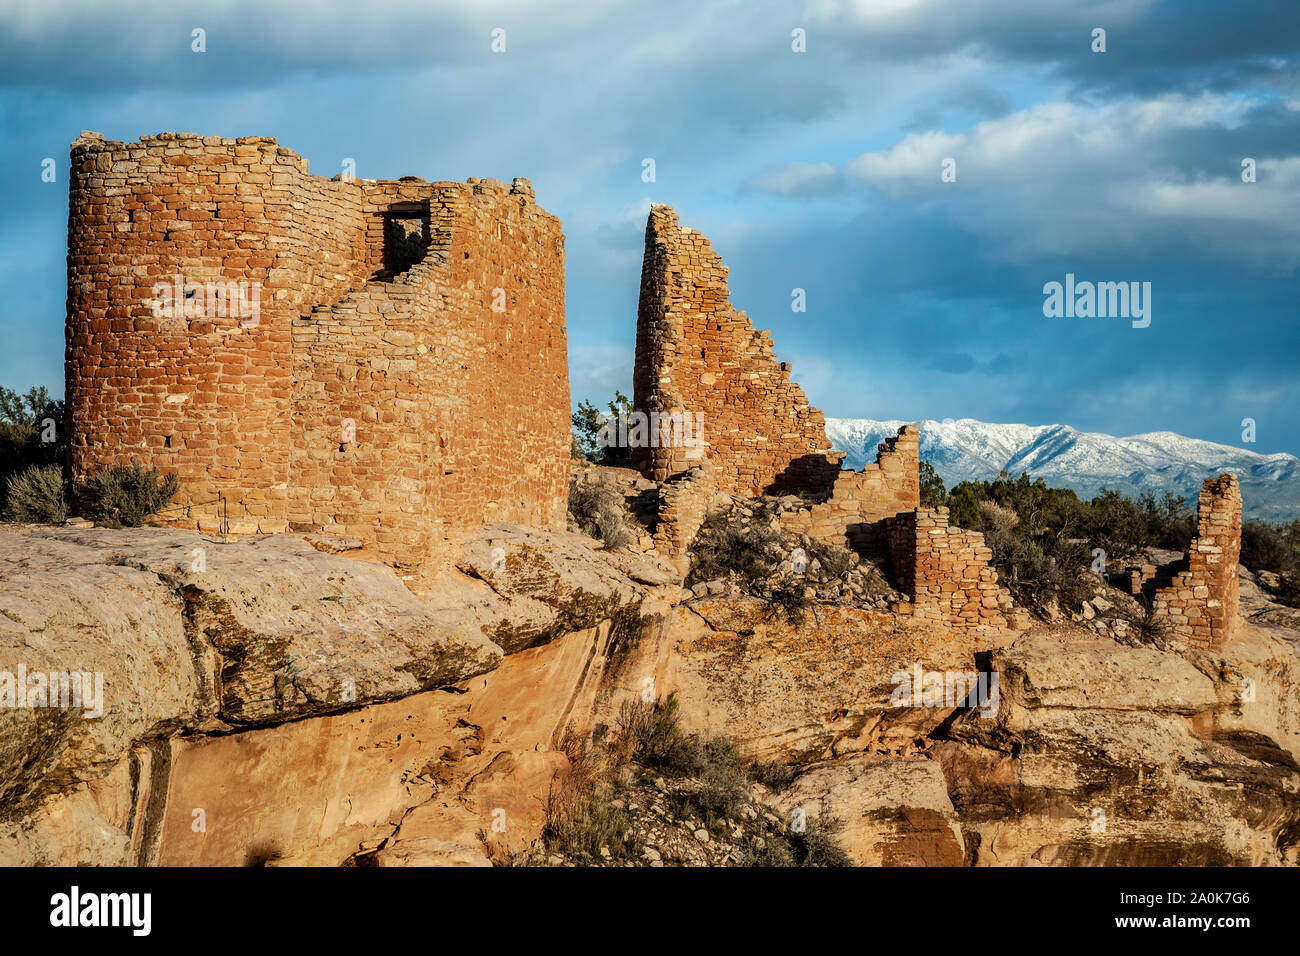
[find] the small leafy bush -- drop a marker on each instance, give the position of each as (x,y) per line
(598,510)
(127,495)
(36,496)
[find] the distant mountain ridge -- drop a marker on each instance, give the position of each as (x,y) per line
(969,450)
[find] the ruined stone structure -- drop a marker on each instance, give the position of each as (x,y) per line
(393,367)
(696,354)
(683,505)
(946,572)
(861,503)
(1199,602)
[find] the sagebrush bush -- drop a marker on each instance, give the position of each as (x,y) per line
(599,511)
(587,809)
(819,844)
(127,495)
(36,496)
(1263,548)
(652,736)
(726,545)
(581,816)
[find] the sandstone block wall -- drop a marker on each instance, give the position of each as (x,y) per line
(861,502)
(695,353)
(945,571)
(401,407)
(1200,602)
(683,506)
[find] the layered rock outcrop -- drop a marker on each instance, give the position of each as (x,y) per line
(266,696)
(227,736)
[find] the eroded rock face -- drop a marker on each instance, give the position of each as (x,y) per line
(276,628)
(894,812)
(204,761)
(554,582)
(229,749)
(798,692)
(1103,754)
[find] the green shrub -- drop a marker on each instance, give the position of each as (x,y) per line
(1263,548)
(1119,527)
(594,429)
(598,509)
(932,491)
(1171,522)
(31,433)
(36,496)
(726,545)
(127,495)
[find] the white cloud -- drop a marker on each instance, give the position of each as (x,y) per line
(797,179)
(1066,178)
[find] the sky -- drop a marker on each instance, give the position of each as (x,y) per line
(818,169)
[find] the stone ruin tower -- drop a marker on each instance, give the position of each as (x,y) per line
(381,360)
(1198,598)
(696,355)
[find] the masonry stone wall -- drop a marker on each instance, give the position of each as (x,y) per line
(683,505)
(856,513)
(696,354)
(404,408)
(1200,601)
(945,571)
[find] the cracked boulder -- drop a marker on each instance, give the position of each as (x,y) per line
(551,583)
(186,631)
(890,812)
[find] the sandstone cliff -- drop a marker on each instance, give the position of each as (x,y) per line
(267,701)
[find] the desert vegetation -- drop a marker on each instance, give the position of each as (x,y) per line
(652,793)
(597,508)
(1046,540)
(744,547)
(33,484)
(32,452)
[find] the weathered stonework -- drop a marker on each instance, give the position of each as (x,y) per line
(945,570)
(696,354)
(1199,604)
(862,502)
(683,506)
(403,379)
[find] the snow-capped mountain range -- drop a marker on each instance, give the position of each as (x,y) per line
(1085,461)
